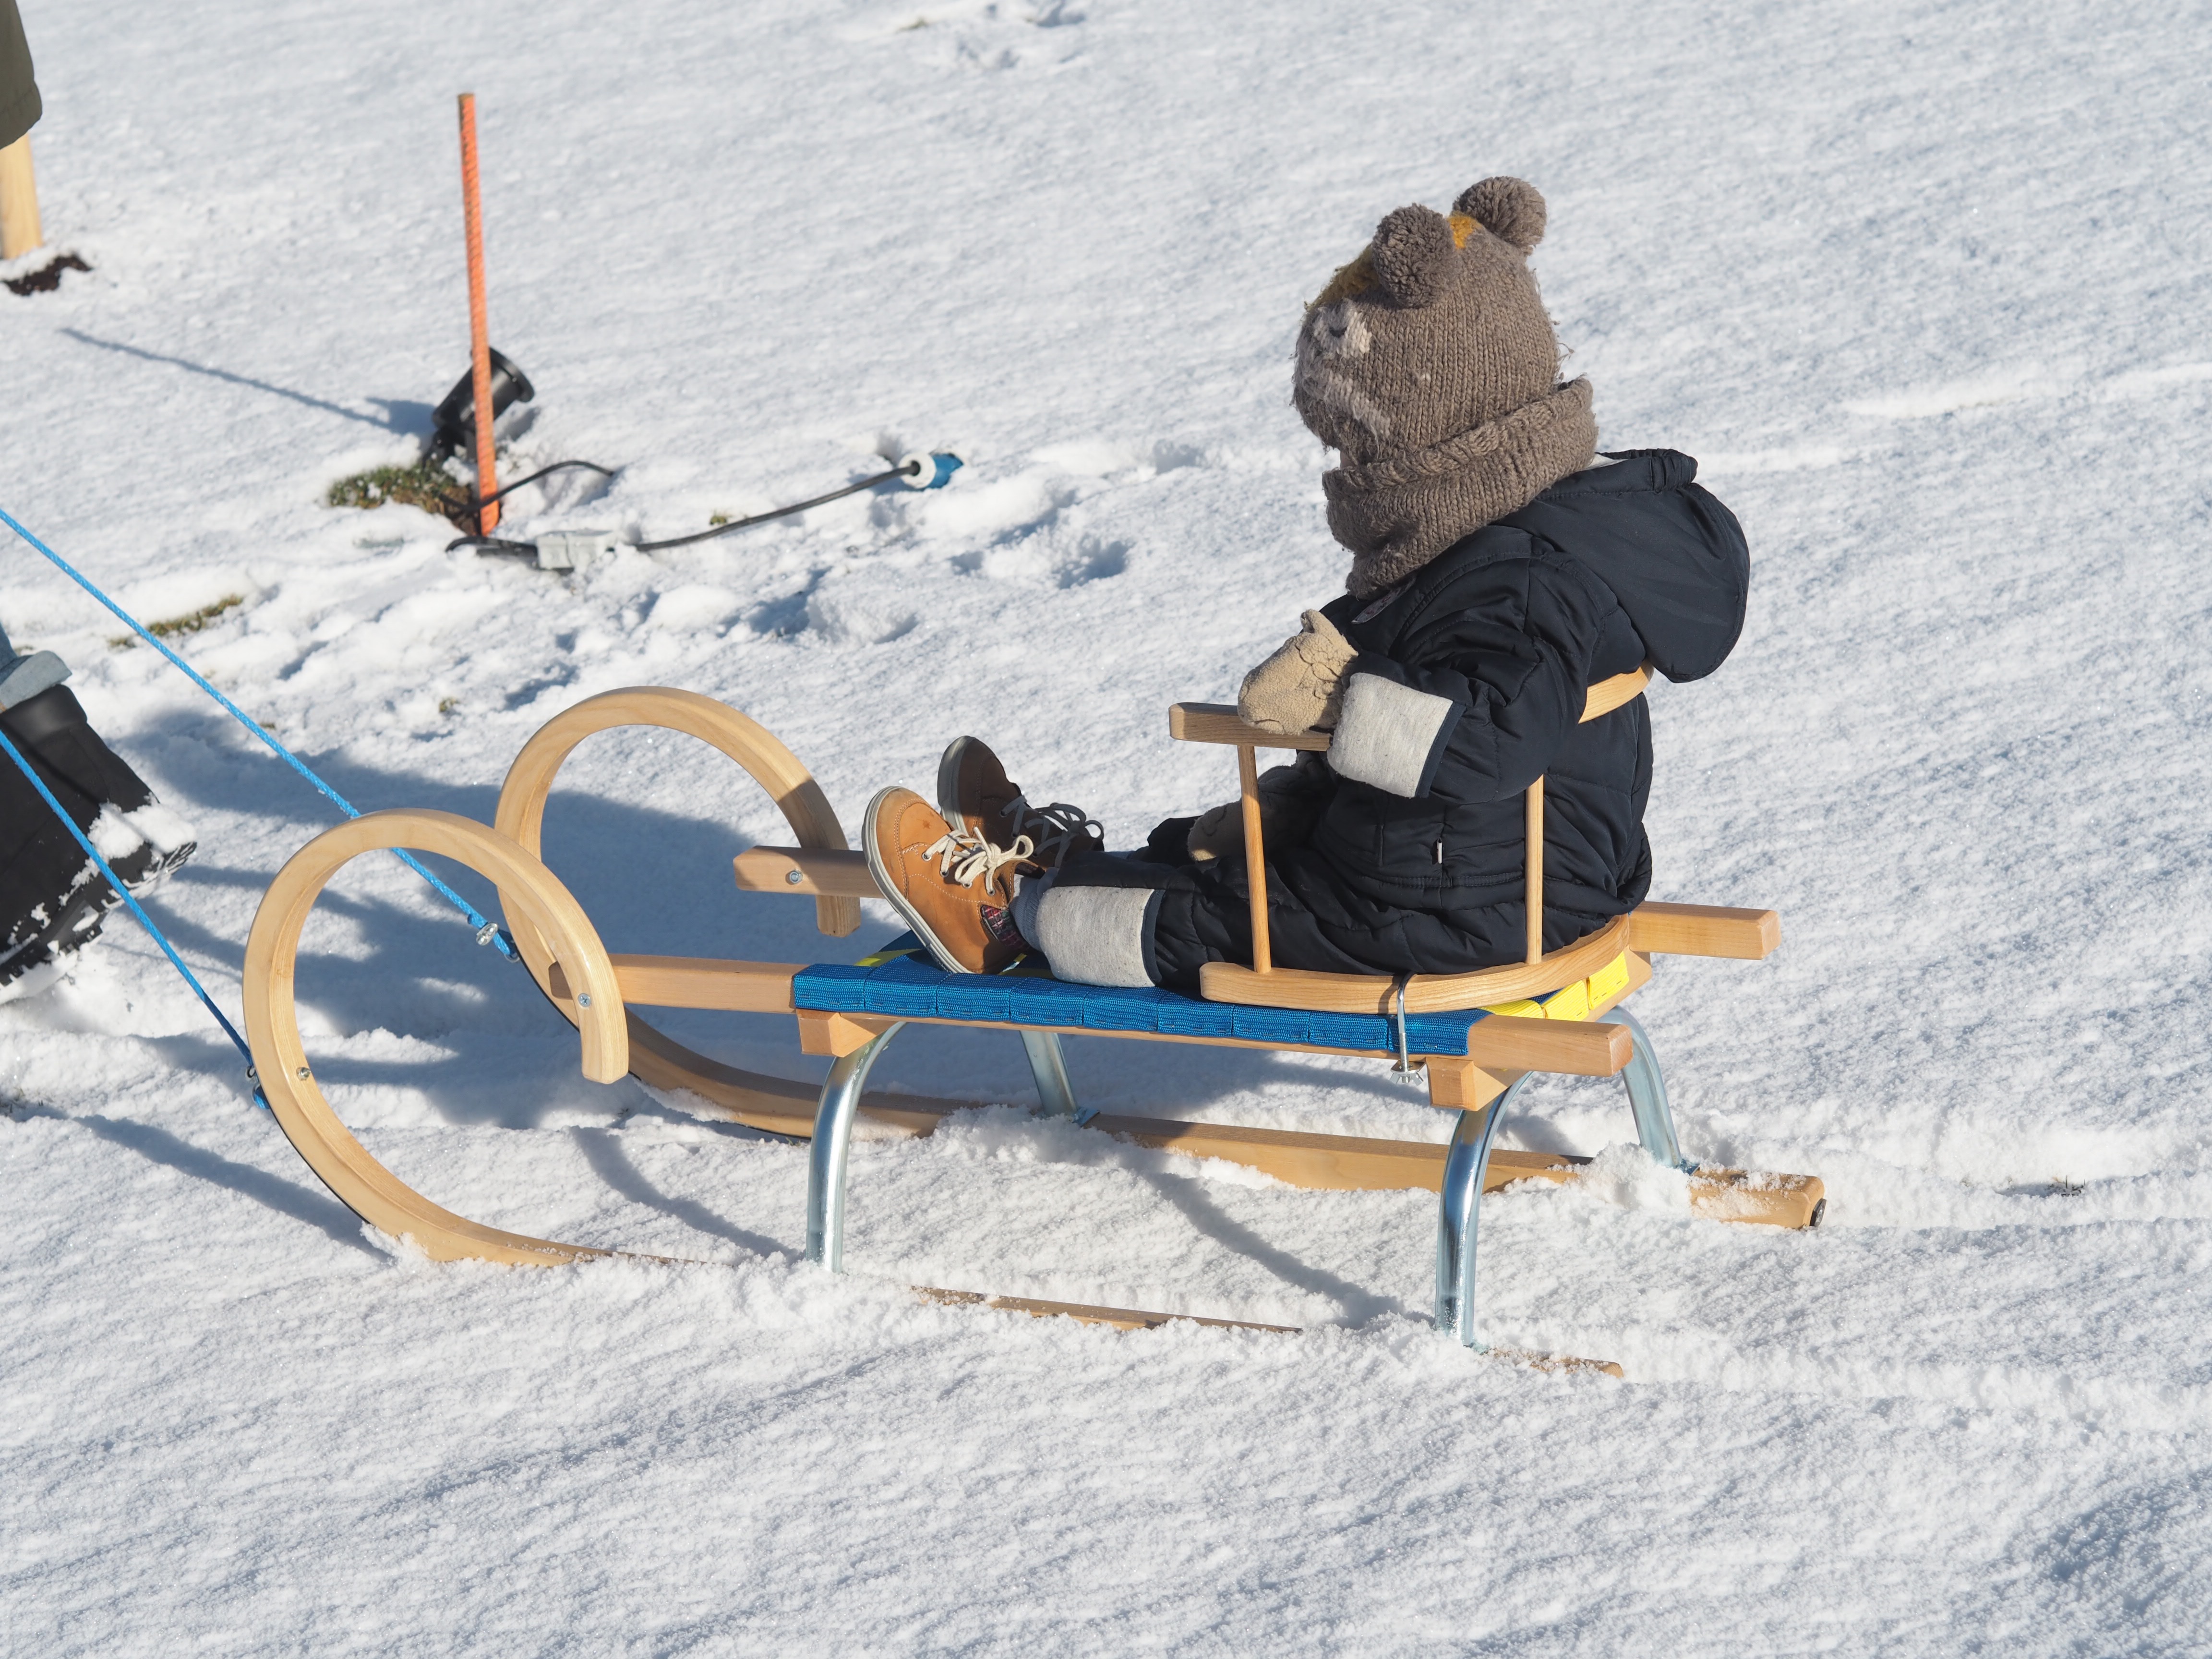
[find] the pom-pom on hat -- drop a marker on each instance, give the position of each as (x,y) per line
(1428,363)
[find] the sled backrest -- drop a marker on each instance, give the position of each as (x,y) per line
(1266,984)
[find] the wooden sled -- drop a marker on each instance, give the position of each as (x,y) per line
(1477,1038)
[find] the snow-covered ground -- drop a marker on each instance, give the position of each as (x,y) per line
(1923,285)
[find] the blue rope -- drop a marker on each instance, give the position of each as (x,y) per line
(487,933)
(139,911)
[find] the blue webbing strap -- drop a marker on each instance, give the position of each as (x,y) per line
(137,910)
(487,933)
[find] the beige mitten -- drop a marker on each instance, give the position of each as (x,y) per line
(1298,687)
(1220,833)
(1291,802)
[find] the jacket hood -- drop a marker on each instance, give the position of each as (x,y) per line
(1662,543)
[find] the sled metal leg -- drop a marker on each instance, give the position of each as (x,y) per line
(1465,1162)
(1647,1096)
(833,1134)
(1050,1067)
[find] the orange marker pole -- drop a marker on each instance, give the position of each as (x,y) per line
(479,332)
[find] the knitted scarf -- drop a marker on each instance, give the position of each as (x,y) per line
(1397,514)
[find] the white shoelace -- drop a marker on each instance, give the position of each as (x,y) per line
(967,858)
(1057,827)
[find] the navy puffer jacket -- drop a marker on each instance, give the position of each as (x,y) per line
(1471,684)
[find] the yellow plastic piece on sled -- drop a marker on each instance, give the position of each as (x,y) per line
(1609,980)
(1570,1002)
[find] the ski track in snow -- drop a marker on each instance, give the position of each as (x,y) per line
(1923,287)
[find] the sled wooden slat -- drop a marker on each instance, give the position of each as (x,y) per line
(1353,1163)
(1322,1162)
(1319,1163)
(743,987)
(736,988)
(1532,874)
(820,872)
(777,1105)
(1373,993)
(1255,857)
(1120,1319)
(1615,693)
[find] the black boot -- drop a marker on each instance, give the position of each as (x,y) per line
(52,897)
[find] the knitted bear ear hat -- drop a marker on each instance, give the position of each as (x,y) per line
(1428,364)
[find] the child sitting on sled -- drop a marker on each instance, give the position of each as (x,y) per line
(1500,566)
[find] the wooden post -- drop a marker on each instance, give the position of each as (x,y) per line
(19,201)
(1256,856)
(479,333)
(1533,863)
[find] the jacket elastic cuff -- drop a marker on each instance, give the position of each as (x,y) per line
(1389,736)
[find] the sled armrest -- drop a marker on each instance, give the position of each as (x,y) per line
(1703,930)
(1219,722)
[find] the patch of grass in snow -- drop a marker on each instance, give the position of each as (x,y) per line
(48,276)
(191,623)
(426,484)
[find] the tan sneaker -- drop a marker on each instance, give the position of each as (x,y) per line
(954,888)
(974,792)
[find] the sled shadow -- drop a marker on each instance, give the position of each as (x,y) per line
(612,1166)
(1187,1195)
(287,1199)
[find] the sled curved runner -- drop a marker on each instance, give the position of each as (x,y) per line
(280,1058)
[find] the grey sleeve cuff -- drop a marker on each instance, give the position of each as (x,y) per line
(1391,736)
(26,677)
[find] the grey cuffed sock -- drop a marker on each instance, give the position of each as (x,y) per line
(1034,888)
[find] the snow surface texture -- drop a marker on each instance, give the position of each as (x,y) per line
(1923,286)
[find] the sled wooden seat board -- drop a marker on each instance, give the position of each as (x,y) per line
(1475,1039)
